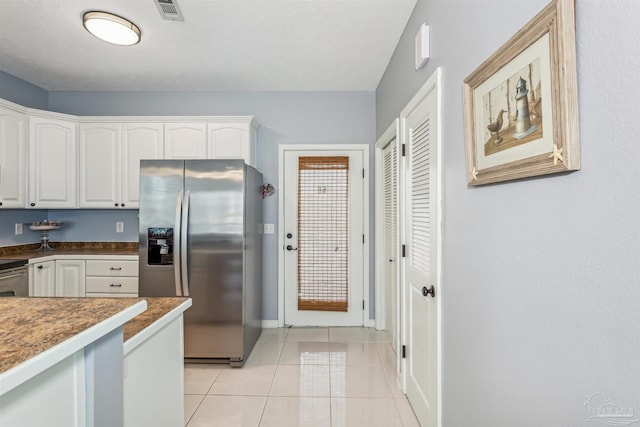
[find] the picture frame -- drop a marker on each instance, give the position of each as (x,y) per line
(521,104)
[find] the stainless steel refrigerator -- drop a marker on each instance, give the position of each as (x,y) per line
(201,237)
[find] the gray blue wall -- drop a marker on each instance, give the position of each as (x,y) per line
(284,117)
(21,92)
(541,278)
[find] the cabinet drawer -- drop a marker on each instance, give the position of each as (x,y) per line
(112,268)
(115,285)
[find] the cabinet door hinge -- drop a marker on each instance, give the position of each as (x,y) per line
(404,351)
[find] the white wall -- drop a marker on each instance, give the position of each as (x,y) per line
(541,278)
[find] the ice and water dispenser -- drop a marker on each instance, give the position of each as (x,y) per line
(160,246)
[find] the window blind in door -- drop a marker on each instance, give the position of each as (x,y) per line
(323,234)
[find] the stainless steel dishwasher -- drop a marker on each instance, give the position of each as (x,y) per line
(14,278)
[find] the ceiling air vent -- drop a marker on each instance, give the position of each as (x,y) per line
(169,10)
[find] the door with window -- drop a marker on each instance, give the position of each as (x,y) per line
(323,235)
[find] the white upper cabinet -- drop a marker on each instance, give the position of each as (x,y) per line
(185,141)
(52,162)
(232,140)
(139,141)
(13,161)
(100,165)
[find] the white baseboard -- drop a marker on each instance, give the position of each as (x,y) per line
(269,324)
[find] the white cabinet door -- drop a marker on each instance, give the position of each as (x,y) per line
(231,141)
(139,141)
(13,161)
(70,278)
(43,279)
(52,163)
(185,141)
(100,165)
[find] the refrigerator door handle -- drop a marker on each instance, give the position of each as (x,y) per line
(176,245)
(183,244)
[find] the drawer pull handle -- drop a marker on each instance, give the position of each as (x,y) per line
(116,268)
(116,286)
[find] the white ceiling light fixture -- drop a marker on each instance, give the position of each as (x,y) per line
(111,28)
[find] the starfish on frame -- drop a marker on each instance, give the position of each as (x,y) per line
(556,155)
(474,174)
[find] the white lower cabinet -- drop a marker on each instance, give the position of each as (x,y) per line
(70,278)
(42,279)
(112,278)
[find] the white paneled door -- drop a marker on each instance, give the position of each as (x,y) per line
(421,265)
(323,232)
(390,236)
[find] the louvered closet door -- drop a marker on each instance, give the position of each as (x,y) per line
(323,230)
(390,233)
(421,259)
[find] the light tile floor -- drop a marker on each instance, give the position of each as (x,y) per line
(302,377)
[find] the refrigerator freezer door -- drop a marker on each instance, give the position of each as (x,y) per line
(160,183)
(214,323)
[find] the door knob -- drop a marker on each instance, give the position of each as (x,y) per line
(431,291)
(291,248)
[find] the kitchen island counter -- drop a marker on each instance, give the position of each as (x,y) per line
(31,327)
(87,352)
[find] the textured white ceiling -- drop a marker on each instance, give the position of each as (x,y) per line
(245,45)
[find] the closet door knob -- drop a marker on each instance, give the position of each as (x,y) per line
(431,291)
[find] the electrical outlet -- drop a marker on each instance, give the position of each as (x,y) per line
(119,227)
(18,228)
(269,229)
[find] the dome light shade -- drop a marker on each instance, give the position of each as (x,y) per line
(111,28)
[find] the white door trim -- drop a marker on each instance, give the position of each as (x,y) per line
(365,274)
(392,132)
(432,83)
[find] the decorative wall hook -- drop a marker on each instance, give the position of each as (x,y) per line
(268,190)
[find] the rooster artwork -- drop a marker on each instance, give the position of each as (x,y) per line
(496,126)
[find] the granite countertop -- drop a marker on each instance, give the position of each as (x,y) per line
(156,308)
(30,326)
(29,251)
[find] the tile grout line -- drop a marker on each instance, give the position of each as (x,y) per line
(196,410)
(266,400)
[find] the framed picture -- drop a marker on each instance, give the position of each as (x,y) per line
(521,104)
